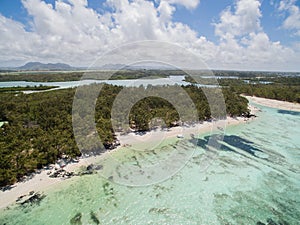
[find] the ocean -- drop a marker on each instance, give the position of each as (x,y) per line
(255,177)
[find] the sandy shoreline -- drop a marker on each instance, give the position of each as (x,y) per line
(275,103)
(159,135)
(41,181)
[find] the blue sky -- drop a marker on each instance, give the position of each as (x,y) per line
(199,19)
(218,29)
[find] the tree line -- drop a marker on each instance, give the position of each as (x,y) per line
(39,129)
(280,88)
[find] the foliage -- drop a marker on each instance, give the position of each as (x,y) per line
(39,129)
(27,88)
(280,88)
(77,75)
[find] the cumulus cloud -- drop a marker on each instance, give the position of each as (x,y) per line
(166,11)
(189,4)
(243,41)
(244,19)
(292,21)
(15,43)
(71,32)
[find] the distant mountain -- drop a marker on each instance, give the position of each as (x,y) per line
(45,67)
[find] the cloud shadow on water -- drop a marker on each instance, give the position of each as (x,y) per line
(231,141)
(287,112)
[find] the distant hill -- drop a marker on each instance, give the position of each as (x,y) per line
(45,67)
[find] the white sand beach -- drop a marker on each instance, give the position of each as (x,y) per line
(180,131)
(275,103)
(41,181)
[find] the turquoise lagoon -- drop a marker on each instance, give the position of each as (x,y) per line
(255,177)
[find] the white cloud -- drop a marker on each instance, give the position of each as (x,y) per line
(73,33)
(137,20)
(166,11)
(243,43)
(189,4)
(292,21)
(262,50)
(245,19)
(69,30)
(15,43)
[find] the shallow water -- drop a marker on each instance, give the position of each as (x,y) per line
(171,80)
(253,177)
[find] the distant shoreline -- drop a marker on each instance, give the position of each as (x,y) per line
(41,181)
(283,105)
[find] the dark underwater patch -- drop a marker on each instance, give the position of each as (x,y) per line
(287,112)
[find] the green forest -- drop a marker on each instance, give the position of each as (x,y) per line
(27,88)
(51,76)
(77,75)
(39,129)
(273,87)
(279,88)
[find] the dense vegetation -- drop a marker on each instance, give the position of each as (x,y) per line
(275,87)
(41,76)
(39,129)
(27,88)
(77,75)
(254,74)
(38,132)
(280,88)
(51,76)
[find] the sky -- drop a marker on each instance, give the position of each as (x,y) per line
(224,34)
